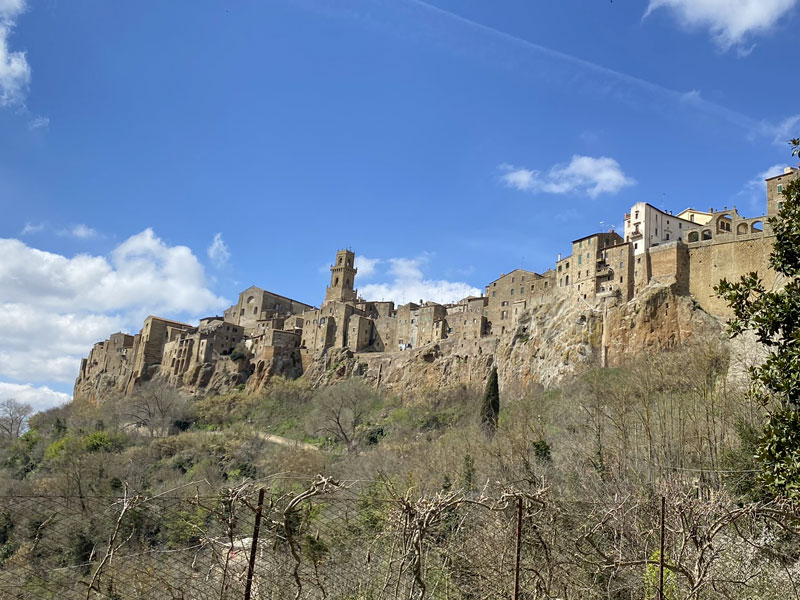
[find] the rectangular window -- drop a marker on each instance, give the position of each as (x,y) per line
(780,189)
(580,259)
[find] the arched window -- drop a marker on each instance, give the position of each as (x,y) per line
(757,227)
(741,228)
(566,280)
(693,236)
(340,260)
(336,281)
(707,234)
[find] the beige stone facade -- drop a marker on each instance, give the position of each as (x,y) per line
(775,187)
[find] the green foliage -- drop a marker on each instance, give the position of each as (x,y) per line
(541,450)
(468,473)
(372,506)
(185,528)
(651,579)
(103,441)
(98,441)
(239,352)
(22,457)
(774,317)
(490,407)
(779,454)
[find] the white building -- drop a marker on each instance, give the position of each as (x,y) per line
(646,226)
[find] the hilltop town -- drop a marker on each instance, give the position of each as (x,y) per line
(266,334)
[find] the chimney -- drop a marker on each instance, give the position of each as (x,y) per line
(559,256)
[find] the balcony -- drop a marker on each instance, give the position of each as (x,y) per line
(605,272)
(636,235)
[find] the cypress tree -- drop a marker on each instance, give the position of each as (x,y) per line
(490,407)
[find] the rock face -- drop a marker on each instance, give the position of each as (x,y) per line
(549,344)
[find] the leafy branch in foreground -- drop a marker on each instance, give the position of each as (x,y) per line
(774,317)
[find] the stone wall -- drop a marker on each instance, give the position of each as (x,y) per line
(669,263)
(717,259)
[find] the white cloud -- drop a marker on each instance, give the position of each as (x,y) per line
(366,266)
(408,284)
(786,130)
(40,398)
(584,174)
(38,123)
(83,232)
(31,228)
(218,252)
(15,72)
(693,96)
(53,308)
(730,22)
(754,191)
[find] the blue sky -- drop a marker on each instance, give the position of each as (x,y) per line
(159,157)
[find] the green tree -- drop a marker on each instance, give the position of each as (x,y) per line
(774,317)
(490,407)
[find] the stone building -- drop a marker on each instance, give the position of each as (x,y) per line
(256,305)
(212,339)
(113,356)
(646,226)
(148,346)
(502,293)
(775,187)
(690,251)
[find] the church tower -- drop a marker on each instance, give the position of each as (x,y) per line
(343,274)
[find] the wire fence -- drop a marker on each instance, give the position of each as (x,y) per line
(325,540)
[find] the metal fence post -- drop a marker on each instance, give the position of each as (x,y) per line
(254,545)
(518,549)
(661,551)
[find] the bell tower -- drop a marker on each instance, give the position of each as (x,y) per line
(343,274)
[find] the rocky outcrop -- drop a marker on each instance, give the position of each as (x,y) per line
(550,343)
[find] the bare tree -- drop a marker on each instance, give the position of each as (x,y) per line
(13,418)
(155,406)
(341,410)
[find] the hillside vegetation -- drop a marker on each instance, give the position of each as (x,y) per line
(590,460)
